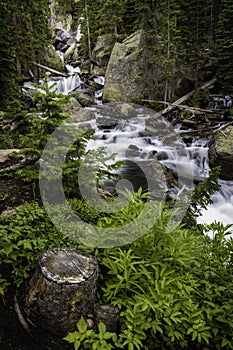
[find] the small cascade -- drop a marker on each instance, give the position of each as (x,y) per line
(191,160)
(222,207)
(220,102)
(67,85)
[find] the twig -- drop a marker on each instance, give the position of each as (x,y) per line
(223,127)
(19,314)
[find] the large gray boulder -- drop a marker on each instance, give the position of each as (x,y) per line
(101,54)
(71,54)
(78,114)
(122,78)
(221,152)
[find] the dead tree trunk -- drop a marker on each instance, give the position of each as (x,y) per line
(61,290)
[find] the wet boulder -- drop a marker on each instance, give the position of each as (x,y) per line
(221,152)
(71,54)
(86,99)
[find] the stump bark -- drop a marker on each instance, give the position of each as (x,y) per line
(108,314)
(61,290)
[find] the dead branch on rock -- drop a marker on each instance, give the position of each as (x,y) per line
(223,127)
(182,99)
(51,70)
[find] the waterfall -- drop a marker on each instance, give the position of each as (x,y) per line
(64,85)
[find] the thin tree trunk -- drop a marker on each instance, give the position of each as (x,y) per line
(88,30)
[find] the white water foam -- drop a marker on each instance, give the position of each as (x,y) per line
(179,157)
(222,208)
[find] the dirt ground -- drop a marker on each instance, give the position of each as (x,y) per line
(14,192)
(14,337)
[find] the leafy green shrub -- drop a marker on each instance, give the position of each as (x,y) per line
(174,290)
(88,339)
(23,238)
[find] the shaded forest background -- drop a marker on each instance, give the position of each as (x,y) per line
(195,38)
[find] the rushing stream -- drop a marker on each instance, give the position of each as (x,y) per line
(130,140)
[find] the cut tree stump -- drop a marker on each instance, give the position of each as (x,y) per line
(61,290)
(108,314)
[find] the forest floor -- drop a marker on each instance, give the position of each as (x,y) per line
(14,337)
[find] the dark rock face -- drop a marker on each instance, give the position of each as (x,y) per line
(60,42)
(221,152)
(101,54)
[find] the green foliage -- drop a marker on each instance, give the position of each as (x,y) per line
(171,288)
(23,238)
(8,76)
(88,339)
(202,196)
(32,129)
(23,37)
(31,28)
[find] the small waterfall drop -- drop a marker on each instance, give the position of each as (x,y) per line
(222,208)
(67,85)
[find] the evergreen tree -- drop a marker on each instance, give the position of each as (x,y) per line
(224,45)
(8,79)
(31,29)
(111,16)
(131,17)
(195,24)
(23,37)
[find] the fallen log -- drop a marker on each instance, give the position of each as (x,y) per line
(198,110)
(187,108)
(186,97)
(61,290)
(182,99)
(50,70)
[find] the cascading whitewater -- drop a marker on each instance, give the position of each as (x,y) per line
(129,141)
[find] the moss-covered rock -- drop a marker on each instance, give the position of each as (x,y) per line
(53,60)
(122,79)
(221,152)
